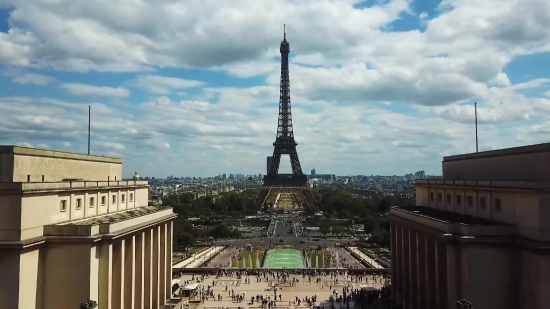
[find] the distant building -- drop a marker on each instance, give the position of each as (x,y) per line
(313,173)
(71,229)
(269,159)
(420,175)
(481,233)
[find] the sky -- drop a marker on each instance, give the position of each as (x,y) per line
(191,88)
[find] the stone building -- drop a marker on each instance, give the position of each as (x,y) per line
(71,229)
(481,233)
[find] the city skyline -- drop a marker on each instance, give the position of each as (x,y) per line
(376,89)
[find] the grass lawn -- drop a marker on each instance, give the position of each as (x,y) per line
(251,234)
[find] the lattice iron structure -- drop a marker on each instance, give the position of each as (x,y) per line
(284,142)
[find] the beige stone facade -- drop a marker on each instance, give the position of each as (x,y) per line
(23,164)
(487,241)
(62,242)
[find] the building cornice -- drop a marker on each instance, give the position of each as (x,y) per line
(87,238)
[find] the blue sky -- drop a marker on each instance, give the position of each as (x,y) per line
(187,89)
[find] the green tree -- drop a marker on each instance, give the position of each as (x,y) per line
(371,225)
(324,228)
(338,230)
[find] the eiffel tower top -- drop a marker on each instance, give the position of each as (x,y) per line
(285,47)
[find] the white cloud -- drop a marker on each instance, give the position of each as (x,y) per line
(90,90)
(164,85)
(36,79)
(365,96)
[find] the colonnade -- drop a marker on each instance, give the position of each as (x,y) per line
(424,269)
(136,271)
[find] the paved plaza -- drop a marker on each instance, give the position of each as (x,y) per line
(322,286)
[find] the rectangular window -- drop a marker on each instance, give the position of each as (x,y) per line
(470,201)
(122,198)
(78,203)
(432,196)
(92,200)
(458,200)
(449,198)
(498,204)
(131,197)
(440,197)
(114,200)
(483,202)
(103,201)
(63,205)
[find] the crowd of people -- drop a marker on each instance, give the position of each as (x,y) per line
(343,295)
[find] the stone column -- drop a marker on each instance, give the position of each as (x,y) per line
(105,275)
(156,266)
(413,267)
(393,261)
(406,268)
(148,270)
(441,276)
(431,278)
(129,272)
(421,269)
(397,283)
(453,273)
(139,262)
(118,275)
(169,252)
(162,266)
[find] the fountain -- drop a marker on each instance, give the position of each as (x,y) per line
(323,259)
(249,261)
(257,262)
(317,261)
(230,262)
(309,262)
(337,259)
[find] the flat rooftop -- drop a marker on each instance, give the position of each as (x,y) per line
(545,147)
(47,153)
(447,216)
(70,185)
(119,216)
(457,224)
(535,185)
(113,223)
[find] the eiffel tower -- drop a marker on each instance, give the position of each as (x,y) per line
(295,183)
(284,142)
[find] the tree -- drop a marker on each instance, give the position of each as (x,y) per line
(185,239)
(338,230)
(324,228)
(371,226)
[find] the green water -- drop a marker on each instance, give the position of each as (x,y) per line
(284,258)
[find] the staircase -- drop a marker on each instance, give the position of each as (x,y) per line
(310,198)
(262,196)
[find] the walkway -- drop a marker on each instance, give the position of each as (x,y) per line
(365,257)
(198,259)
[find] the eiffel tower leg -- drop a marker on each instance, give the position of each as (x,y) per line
(295,163)
(275,162)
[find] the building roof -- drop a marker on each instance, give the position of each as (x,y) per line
(453,217)
(37,152)
(500,152)
(118,216)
